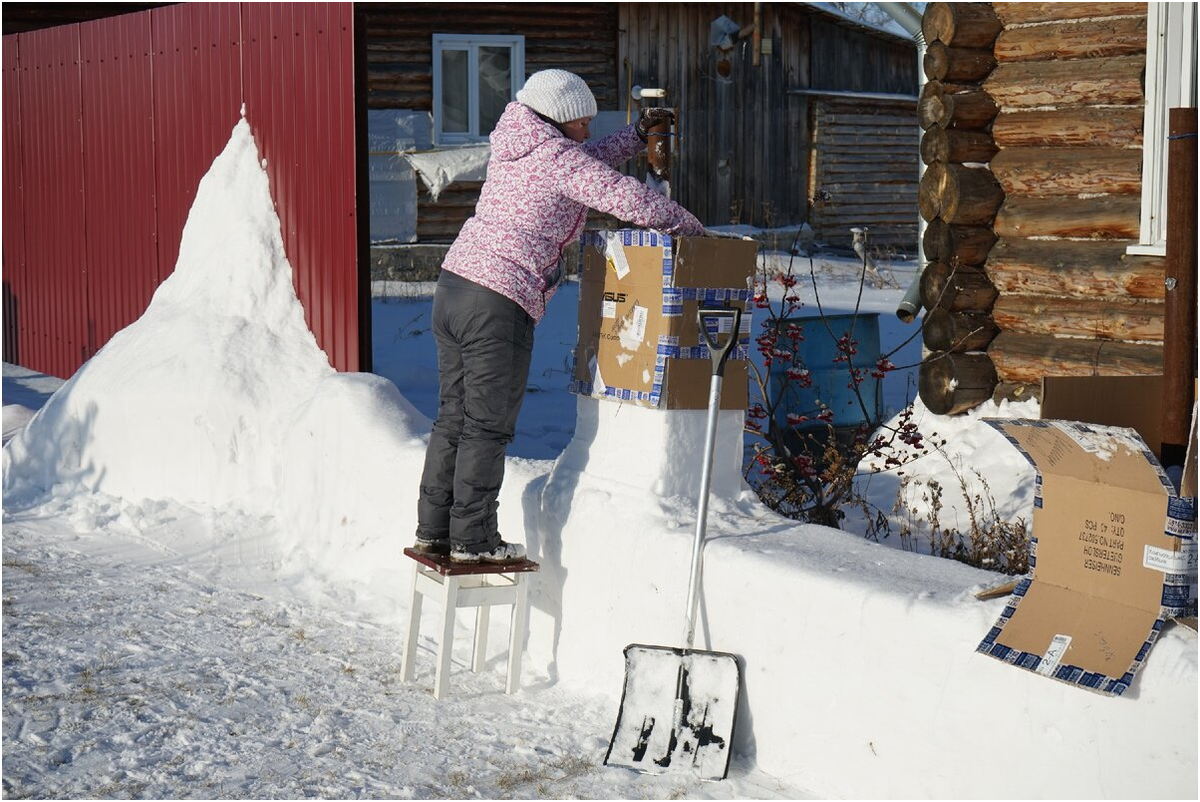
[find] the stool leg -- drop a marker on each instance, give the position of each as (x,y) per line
(482,620)
(516,638)
(450,601)
(407,665)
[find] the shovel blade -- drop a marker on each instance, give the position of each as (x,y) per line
(677,712)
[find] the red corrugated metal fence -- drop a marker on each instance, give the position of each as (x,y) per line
(12,243)
(108,128)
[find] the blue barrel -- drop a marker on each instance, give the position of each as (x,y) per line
(831,384)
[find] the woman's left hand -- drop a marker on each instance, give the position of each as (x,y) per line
(651,117)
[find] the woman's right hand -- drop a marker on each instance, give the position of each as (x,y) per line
(687,226)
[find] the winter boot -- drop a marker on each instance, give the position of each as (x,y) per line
(438,547)
(502,554)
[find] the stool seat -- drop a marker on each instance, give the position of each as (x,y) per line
(480,585)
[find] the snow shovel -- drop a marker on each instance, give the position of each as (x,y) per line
(678,705)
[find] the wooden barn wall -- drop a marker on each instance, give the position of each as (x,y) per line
(568,36)
(864,171)
(1068,83)
(743,151)
(854,61)
(743,146)
(581,38)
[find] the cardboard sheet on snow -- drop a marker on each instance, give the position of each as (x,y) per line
(638,336)
(1113,556)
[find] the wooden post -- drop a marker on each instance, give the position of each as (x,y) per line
(658,153)
(1179,344)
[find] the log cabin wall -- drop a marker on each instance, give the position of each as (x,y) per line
(1068,82)
(1067,133)
(958,198)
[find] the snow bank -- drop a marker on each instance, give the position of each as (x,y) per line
(861,678)
(193,400)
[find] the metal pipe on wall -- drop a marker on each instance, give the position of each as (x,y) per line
(910,20)
(756,40)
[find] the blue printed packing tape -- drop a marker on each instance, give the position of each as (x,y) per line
(586,388)
(672,302)
(716,294)
(1181,516)
(670,347)
(1178,596)
(645,239)
(674,297)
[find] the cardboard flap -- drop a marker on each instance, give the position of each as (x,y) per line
(714,262)
(1103,455)
(1068,635)
(1094,539)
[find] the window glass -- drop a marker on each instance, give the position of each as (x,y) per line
(495,82)
(474,77)
(456,105)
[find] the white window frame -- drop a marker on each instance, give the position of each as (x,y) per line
(471,43)
(1170,83)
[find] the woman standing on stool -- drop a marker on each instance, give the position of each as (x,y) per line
(498,276)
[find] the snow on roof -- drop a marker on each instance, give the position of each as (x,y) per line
(889,30)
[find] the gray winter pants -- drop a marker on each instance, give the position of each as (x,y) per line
(484,345)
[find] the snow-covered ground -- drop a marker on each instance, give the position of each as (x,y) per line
(204,594)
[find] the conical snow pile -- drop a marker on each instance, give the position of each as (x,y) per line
(193,400)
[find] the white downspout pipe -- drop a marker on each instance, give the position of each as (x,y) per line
(910,20)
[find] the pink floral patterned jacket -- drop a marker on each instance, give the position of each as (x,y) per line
(539,187)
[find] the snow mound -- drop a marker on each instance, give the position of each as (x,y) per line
(195,399)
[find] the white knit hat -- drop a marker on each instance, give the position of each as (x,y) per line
(560,95)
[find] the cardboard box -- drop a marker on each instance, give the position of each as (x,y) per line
(1113,556)
(639,340)
(1132,401)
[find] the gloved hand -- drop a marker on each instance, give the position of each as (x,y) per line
(648,118)
(686,224)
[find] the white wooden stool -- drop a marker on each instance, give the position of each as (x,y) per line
(458,585)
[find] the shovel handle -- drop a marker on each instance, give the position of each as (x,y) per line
(720,353)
